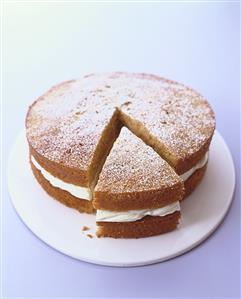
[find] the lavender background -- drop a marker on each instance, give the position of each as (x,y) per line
(197,44)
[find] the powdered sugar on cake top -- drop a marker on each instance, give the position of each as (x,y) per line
(133,166)
(66,123)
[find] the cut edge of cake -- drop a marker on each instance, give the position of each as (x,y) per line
(103,148)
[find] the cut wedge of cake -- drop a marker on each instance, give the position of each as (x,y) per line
(137,193)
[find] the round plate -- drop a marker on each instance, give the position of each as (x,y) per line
(61,227)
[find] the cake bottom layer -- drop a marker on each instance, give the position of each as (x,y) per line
(64,197)
(145,227)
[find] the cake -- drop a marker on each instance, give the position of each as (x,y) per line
(91,141)
(137,193)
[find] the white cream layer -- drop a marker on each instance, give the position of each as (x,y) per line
(199,165)
(77,191)
(133,215)
(102,215)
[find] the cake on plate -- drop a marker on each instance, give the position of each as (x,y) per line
(122,144)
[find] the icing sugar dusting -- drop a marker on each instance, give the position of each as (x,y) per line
(66,123)
(133,166)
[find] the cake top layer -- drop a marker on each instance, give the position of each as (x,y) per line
(174,114)
(133,166)
(65,124)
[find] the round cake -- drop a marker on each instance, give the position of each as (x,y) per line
(128,147)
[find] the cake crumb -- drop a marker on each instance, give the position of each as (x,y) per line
(84,228)
(89,236)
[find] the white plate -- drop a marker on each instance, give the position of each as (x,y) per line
(60,227)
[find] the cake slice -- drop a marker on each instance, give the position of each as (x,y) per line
(138,193)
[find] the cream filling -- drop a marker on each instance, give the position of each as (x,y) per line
(199,165)
(77,191)
(133,215)
(102,215)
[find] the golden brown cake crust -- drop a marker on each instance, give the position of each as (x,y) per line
(145,227)
(62,196)
(135,177)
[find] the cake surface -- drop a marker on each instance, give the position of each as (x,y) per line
(74,127)
(135,177)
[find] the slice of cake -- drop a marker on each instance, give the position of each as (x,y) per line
(138,193)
